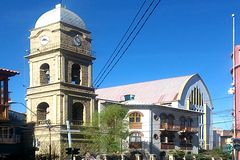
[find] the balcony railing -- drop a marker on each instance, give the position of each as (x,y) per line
(189,129)
(77,122)
(135,145)
(176,128)
(13,140)
(169,127)
(43,122)
(186,146)
(167,146)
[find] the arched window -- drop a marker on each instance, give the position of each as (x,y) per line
(163,120)
(196,97)
(135,137)
(189,122)
(182,123)
(77,113)
(170,121)
(135,140)
(44,74)
(42,111)
(75,74)
(135,117)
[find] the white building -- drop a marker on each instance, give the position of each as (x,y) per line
(173,113)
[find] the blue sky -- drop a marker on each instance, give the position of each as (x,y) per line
(181,38)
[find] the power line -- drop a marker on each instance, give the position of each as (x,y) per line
(104,77)
(123,37)
(139,21)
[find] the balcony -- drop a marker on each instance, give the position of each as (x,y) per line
(13,140)
(192,130)
(43,122)
(135,125)
(168,127)
(186,146)
(167,146)
(77,122)
(135,145)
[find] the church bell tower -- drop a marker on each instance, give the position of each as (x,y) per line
(60,86)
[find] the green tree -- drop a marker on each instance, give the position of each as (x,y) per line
(108,129)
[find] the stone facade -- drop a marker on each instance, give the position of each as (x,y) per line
(60,84)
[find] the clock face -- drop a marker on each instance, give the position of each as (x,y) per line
(44,40)
(77,40)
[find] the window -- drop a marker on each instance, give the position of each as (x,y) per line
(42,112)
(167,137)
(75,77)
(163,121)
(77,113)
(189,122)
(6,132)
(135,117)
(135,141)
(135,137)
(44,74)
(189,139)
(185,140)
(182,123)
(163,118)
(171,138)
(163,138)
(196,97)
(170,121)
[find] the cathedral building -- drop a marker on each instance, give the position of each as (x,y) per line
(60,89)
(165,114)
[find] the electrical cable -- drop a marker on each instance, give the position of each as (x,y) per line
(111,56)
(97,85)
(139,21)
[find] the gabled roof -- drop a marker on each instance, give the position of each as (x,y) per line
(152,92)
(7,72)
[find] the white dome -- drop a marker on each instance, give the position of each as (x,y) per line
(60,14)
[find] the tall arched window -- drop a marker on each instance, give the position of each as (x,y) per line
(75,77)
(44,74)
(163,120)
(135,117)
(189,122)
(170,121)
(77,113)
(42,111)
(196,97)
(182,123)
(135,140)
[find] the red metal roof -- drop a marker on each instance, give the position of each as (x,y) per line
(8,72)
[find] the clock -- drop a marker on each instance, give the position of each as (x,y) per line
(77,40)
(44,40)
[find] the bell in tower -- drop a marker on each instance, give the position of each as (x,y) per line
(60,89)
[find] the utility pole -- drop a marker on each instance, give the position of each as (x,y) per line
(233,85)
(50,139)
(70,149)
